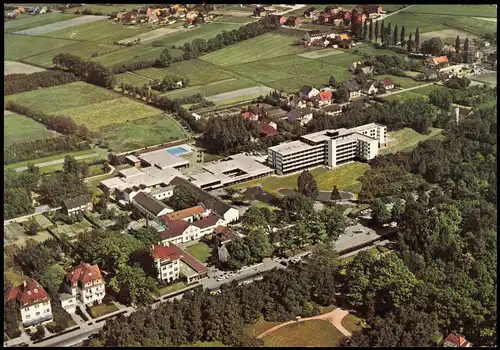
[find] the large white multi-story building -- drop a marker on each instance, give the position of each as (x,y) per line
(328,147)
(34,303)
(86,282)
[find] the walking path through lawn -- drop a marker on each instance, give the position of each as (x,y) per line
(392,13)
(58,161)
(334,317)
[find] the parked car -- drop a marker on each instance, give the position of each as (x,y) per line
(283,263)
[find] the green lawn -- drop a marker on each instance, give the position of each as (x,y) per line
(20,46)
(206,32)
(455,10)
(345,177)
(141,133)
(307,333)
(488,79)
(101,310)
(352,323)
(408,139)
(54,157)
(372,51)
(72,230)
(172,288)
(260,327)
(19,128)
(200,251)
(422,92)
(215,88)
(259,48)
(412,21)
(132,78)
(104,8)
(84,50)
(477,26)
(36,21)
(403,81)
(129,55)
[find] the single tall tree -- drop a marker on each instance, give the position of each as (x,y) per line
(354,28)
(388,33)
(306,185)
(332,81)
(395,36)
(417,40)
(410,44)
(457,45)
(335,194)
(370,31)
(466,44)
(382,32)
(360,31)
(403,42)
(376,31)
(365,30)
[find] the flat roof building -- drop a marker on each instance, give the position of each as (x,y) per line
(148,177)
(328,147)
(163,160)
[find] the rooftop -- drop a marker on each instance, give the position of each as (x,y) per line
(77,202)
(163,159)
(133,158)
(175,228)
(185,213)
(129,172)
(84,273)
(290,147)
(150,176)
(28,293)
(151,204)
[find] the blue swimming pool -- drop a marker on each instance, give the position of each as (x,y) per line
(177,151)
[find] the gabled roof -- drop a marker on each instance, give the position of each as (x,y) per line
(207,221)
(367,69)
(28,293)
(184,214)
(305,90)
(267,129)
(84,273)
(367,85)
(344,37)
(247,114)
(170,252)
(224,233)
(440,59)
(352,86)
(454,340)
(388,81)
(175,228)
(77,202)
(325,95)
(151,204)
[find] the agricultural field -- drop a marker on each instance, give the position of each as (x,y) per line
(305,334)
(487,78)
(19,128)
(321,53)
(85,50)
(129,55)
(412,21)
(218,87)
(21,46)
(372,51)
(455,10)
(206,31)
(132,78)
(408,139)
(12,67)
(345,177)
(104,31)
(60,25)
(403,81)
(465,26)
(260,48)
(141,133)
(36,21)
(96,152)
(151,36)
(105,9)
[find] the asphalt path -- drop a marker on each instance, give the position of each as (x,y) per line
(57,161)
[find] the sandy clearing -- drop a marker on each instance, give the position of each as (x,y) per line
(61,25)
(320,53)
(239,93)
(486,19)
(152,35)
(11,67)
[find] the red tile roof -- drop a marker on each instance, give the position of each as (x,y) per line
(28,293)
(440,59)
(207,221)
(84,273)
(193,263)
(325,95)
(267,129)
(247,115)
(175,228)
(170,252)
(184,214)
(388,81)
(456,340)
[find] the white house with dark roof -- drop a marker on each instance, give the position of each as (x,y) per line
(308,92)
(75,205)
(149,206)
(353,88)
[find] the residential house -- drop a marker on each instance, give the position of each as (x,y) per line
(372,11)
(209,201)
(454,340)
(259,11)
(129,193)
(434,61)
(268,129)
(293,21)
(76,205)
(312,35)
(250,116)
(357,67)
(332,110)
(162,193)
(152,16)
(456,69)
(191,16)
(345,44)
(130,18)
(303,115)
(68,302)
(461,113)
(150,206)
(353,88)
(308,92)
(369,88)
(224,234)
(189,214)
(429,74)
(324,98)
(208,223)
(387,84)
(279,18)
(276,113)
(133,160)
(179,231)
(196,116)
(297,102)
(33,302)
(167,259)
(85,281)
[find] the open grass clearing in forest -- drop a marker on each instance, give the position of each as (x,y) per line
(345,177)
(141,133)
(11,67)
(321,53)
(407,139)
(352,323)
(455,10)
(61,25)
(21,46)
(19,128)
(264,46)
(308,333)
(200,251)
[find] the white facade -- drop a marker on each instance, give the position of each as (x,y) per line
(93,291)
(86,283)
(354,94)
(231,215)
(189,234)
(68,302)
(168,270)
(36,314)
(328,147)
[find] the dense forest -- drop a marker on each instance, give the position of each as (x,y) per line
(16,83)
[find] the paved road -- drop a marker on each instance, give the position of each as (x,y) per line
(383,17)
(58,161)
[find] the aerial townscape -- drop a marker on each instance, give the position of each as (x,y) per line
(250,175)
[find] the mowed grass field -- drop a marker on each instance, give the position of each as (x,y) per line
(305,334)
(19,128)
(211,89)
(129,54)
(141,133)
(21,46)
(408,139)
(262,47)
(455,10)
(422,92)
(105,9)
(206,32)
(412,21)
(83,49)
(36,21)
(345,177)
(469,24)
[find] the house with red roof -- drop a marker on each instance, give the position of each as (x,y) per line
(323,99)
(85,282)
(33,301)
(268,129)
(387,84)
(250,116)
(189,214)
(434,61)
(208,223)
(454,340)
